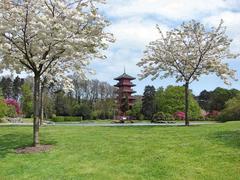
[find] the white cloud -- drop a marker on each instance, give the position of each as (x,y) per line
(133,24)
(171,9)
(135,32)
(231,21)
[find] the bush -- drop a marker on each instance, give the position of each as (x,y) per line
(179,115)
(82,110)
(161,116)
(13,103)
(66,118)
(3,108)
(231,112)
(11,112)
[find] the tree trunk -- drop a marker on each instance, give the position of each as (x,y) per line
(41,105)
(36,113)
(186,104)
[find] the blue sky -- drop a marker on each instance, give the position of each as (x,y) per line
(133,24)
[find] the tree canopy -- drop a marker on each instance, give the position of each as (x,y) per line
(186,53)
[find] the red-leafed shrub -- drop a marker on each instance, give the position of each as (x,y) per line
(180,115)
(13,103)
(213,114)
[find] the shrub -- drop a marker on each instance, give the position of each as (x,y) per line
(179,115)
(161,116)
(213,114)
(3,108)
(11,112)
(66,118)
(82,110)
(231,112)
(58,119)
(13,103)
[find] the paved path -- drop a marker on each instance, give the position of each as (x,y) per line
(114,125)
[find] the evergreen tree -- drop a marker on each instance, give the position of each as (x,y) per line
(7,87)
(17,83)
(148,108)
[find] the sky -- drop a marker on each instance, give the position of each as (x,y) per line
(133,23)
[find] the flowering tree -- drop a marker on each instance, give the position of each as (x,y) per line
(38,35)
(186,53)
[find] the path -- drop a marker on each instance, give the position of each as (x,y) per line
(114,125)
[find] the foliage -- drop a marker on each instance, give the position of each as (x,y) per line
(161,116)
(148,108)
(231,112)
(26,100)
(82,110)
(215,100)
(7,87)
(136,111)
(48,105)
(11,112)
(125,104)
(13,103)
(50,39)
(17,83)
(180,115)
(63,104)
(186,53)
(11,87)
(171,100)
(3,108)
(66,118)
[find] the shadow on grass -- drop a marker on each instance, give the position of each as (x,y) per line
(228,138)
(10,142)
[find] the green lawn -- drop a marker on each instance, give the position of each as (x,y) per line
(197,152)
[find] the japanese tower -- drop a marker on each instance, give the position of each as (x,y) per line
(124,92)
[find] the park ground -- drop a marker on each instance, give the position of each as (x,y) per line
(196,152)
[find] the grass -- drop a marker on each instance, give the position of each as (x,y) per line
(27,120)
(197,152)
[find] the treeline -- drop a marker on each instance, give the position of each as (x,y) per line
(93,99)
(11,88)
(221,104)
(90,99)
(167,104)
(164,103)
(215,100)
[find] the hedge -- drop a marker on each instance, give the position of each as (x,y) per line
(66,118)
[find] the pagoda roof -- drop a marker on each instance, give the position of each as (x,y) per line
(124,76)
(124,84)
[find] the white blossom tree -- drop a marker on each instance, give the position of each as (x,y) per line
(188,52)
(37,35)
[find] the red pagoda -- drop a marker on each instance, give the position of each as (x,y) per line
(125,99)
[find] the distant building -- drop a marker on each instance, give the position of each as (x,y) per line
(125,100)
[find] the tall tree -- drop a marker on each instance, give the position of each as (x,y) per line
(38,35)
(125,105)
(148,106)
(7,87)
(26,99)
(216,99)
(188,52)
(171,100)
(17,83)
